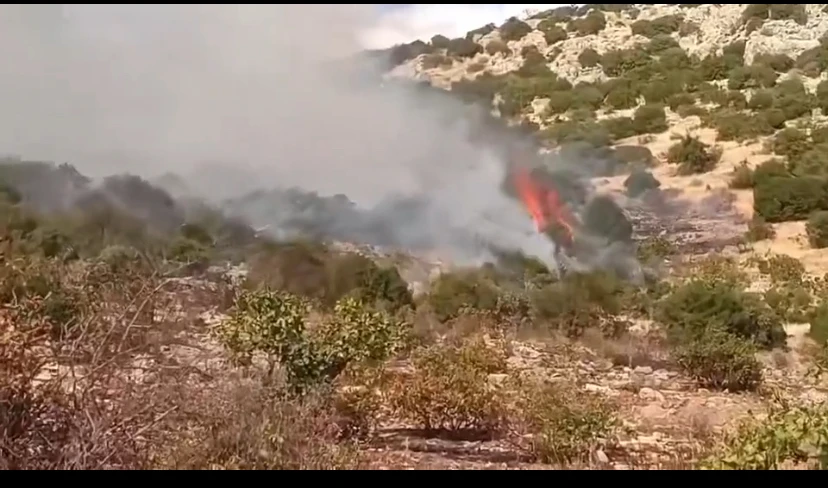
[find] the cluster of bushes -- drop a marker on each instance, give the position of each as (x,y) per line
(755,15)
(667,24)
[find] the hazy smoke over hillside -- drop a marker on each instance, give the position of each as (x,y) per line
(149,89)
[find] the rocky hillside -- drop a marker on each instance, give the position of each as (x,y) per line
(140,330)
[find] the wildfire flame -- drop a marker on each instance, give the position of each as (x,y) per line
(544,205)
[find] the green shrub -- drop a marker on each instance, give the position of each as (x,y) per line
(514,29)
(589,58)
(742,177)
(405,52)
(659,26)
(661,43)
(819,135)
(787,437)
(603,217)
(463,48)
(496,46)
(454,293)
(770,168)
(640,182)
(713,68)
(818,320)
(700,308)
(693,156)
(813,162)
(314,272)
(722,361)
(587,96)
(568,423)
(759,230)
(817,229)
(650,119)
(619,127)
(552,33)
(593,23)
(785,199)
(791,142)
(761,100)
(440,42)
(736,126)
(680,99)
(621,96)
(635,156)
(781,63)
(618,62)
(793,99)
(578,302)
(449,390)
(658,91)
(754,76)
(274,324)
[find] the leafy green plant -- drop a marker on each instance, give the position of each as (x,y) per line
(792,434)
(274,324)
(693,156)
(721,360)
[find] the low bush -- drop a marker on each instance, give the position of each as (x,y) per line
(693,156)
(650,119)
(742,177)
(463,48)
(785,199)
(589,58)
(567,424)
(274,324)
(659,26)
(695,308)
(449,390)
(722,361)
(514,29)
(640,182)
(788,437)
(496,46)
(817,229)
(759,230)
(593,23)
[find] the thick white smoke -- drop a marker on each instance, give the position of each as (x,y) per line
(148,89)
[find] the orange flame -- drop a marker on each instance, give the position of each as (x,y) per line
(543,204)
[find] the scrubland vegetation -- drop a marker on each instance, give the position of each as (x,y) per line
(125,345)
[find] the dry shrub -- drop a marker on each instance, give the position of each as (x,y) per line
(564,424)
(68,395)
(449,391)
(245,426)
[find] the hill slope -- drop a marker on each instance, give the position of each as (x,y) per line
(143,330)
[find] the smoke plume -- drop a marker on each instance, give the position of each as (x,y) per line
(240,97)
